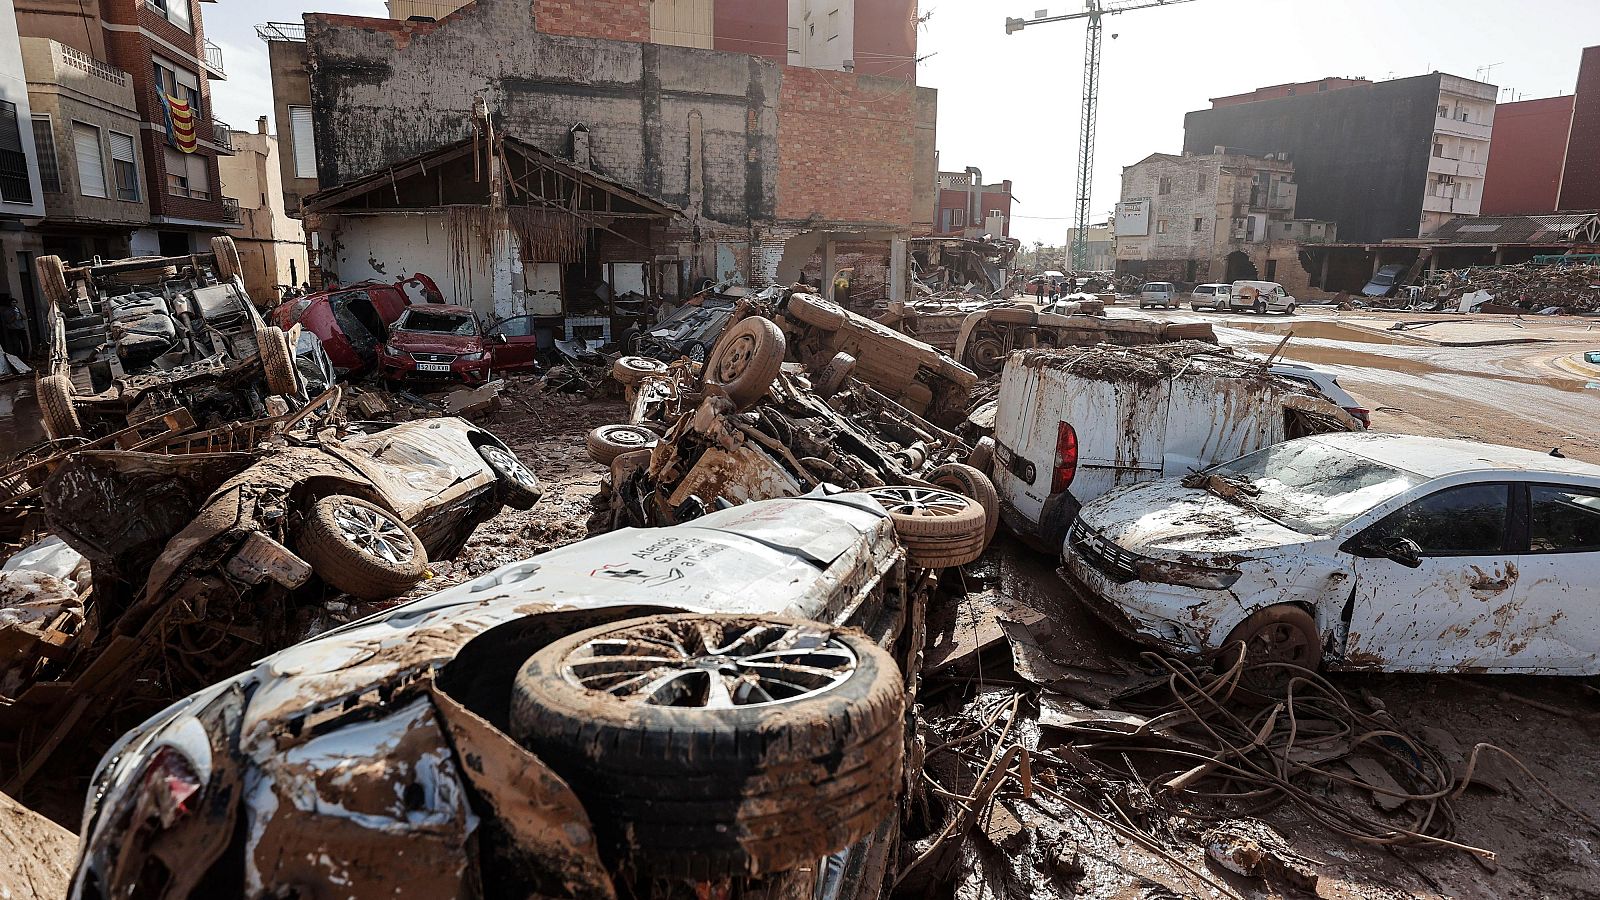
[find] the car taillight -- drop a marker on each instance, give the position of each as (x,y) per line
(1066,467)
(169,784)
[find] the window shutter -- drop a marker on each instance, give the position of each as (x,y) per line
(91,164)
(122,148)
(199,176)
(305,146)
(44,142)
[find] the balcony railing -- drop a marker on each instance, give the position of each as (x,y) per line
(282,31)
(80,60)
(214,59)
(230,211)
(222,135)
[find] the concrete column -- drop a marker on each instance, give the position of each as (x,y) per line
(505,264)
(899,255)
(1433,262)
(1322,280)
(829,267)
(1377,261)
(1499,256)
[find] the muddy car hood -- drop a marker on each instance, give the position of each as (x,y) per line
(427,342)
(1166,520)
(781,556)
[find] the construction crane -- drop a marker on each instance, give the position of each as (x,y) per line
(1095,11)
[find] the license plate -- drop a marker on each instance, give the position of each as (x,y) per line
(433,367)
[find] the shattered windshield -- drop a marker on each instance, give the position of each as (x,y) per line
(1308,485)
(438,323)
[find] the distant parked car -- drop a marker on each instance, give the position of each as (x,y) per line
(1326,384)
(1158,293)
(1385,281)
(440,344)
(1210,296)
(1261,297)
(1357,551)
(353,321)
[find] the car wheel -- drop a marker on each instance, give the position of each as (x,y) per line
(57,408)
(987,356)
(831,377)
(608,442)
(227,254)
(519,487)
(277,362)
(633,369)
(940,529)
(971,483)
(53,280)
(361,548)
(1260,308)
(708,746)
(1274,639)
(1289,310)
(982,456)
(746,360)
(816,312)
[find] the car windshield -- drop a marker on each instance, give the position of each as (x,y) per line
(438,322)
(1307,485)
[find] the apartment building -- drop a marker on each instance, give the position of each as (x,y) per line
(21,196)
(1214,217)
(272,244)
(1388,159)
(969,208)
(155,49)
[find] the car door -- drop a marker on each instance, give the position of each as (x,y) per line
(1448,611)
(520,347)
(1556,625)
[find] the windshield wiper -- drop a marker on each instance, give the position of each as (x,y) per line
(1234,490)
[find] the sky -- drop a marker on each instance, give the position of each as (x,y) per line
(1010,104)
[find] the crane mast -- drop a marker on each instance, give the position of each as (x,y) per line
(1095,11)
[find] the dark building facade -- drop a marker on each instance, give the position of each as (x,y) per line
(1580,182)
(1392,159)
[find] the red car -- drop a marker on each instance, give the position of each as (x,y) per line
(353,321)
(447,343)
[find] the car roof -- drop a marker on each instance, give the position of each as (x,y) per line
(1434,457)
(1259,284)
(1154,283)
(1212,284)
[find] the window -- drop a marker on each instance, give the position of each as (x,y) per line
(305,144)
(124,165)
(1199,223)
(1201,182)
(1563,519)
(14,187)
(1438,148)
(1272,272)
(1469,520)
(44,145)
(178,82)
(1161,226)
(175,11)
(187,175)
(958,218)
(91,162)
(996,214)
(1444,111)
(1164,186)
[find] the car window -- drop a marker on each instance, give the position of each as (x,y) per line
(1312,487)
(1465,520)
(1563,519)
(521,326)
(432,322)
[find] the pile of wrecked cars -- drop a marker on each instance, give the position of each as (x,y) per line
(133,339)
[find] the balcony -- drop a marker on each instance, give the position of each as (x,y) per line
(1444,165)
(213,62)
(222,135)
(53,66)
(1473,130)
(230,211)
(293,32)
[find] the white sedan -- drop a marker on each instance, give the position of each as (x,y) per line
(1358,551)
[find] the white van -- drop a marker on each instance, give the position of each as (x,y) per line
(1071,425)
(1261,297)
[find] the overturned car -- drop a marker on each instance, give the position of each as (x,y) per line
(712,709)
(131,339)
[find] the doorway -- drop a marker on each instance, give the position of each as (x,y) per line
(1239,267)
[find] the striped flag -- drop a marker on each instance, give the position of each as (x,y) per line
(180,123)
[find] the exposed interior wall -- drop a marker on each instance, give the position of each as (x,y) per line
(385,248)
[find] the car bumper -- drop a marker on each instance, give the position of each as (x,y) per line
(460,371)
(1115,605)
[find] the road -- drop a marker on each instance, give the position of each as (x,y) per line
(1532,394)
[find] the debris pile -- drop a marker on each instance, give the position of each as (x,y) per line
(1538,288)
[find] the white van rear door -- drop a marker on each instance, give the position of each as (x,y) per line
(1212,420)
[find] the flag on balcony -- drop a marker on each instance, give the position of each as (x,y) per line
(180,122)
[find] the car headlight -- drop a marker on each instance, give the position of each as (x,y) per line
(390,350)
(473,357)
(1203,577)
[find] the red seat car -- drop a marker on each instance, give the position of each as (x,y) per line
(448,343)
(353,321)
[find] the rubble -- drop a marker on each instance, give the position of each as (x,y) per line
(1530,287)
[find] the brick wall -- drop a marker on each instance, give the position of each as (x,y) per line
(618,20)
(1580,185)
(846,144)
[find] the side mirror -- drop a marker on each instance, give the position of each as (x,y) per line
(501,339)
(1403,551)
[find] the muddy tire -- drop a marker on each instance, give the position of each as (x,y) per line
(831,377)
(227,253)
(631,370)
(971,483)
(53,280)
(57,408)
(1278,634)
(1289,310)
(939,529)
(987,355)
(277,362)
(812,310)
(519,487)
(711,777)
(982,456)
(608,442)
(746,359)
(361,548)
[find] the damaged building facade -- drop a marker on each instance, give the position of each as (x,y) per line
(1214,217)
(721,162)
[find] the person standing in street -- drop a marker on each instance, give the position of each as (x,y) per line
(13,327)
